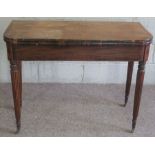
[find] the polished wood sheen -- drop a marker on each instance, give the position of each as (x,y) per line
(76,41)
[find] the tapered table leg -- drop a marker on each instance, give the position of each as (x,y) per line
(138,92)
(20,68)
(16,88)
(128,81)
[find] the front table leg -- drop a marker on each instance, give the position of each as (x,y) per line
(16,88)
(138,92)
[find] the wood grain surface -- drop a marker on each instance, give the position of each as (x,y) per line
(78,31)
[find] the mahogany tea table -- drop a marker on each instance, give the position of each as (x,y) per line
(77,41)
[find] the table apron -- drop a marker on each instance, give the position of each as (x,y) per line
(78,53)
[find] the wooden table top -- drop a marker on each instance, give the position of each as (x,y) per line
(78,31)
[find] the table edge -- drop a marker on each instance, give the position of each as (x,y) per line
(77,42)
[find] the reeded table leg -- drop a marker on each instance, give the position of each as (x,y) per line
(16,88)
(138,92)
(128,81)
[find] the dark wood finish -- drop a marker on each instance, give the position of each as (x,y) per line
(47,52)
(128,81)
(138,92)
(16,87)
(75,41)
(16,78)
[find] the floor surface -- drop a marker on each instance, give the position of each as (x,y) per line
(76,110)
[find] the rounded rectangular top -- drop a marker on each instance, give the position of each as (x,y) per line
(98,31)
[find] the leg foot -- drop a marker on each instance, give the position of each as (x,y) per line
(133,126)
(18,127)
(126,100)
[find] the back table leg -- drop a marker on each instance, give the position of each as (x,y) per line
(16,88)
(128,81)
(20,70)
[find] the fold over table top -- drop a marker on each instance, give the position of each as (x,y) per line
(78,31)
